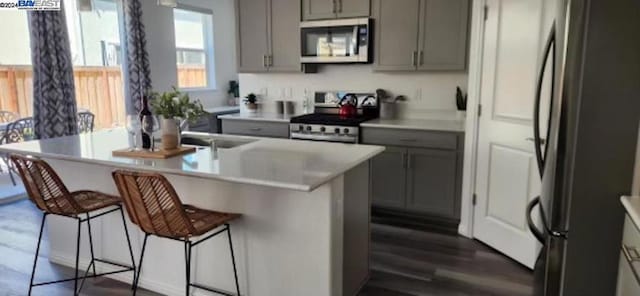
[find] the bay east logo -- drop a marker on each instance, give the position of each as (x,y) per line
(38,4)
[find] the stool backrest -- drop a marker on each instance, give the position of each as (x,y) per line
(153,204)
(44,186)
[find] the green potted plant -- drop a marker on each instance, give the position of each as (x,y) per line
(234,92)
(174,108)
(251,102)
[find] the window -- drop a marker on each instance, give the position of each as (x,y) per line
(194,48)
(94,38)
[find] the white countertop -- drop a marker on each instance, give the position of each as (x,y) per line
(447,125)
(632,206)
(260,116)
(281,163)
(222,109)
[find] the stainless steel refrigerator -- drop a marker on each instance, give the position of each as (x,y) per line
(586,157)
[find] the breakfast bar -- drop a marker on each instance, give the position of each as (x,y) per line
(305,211)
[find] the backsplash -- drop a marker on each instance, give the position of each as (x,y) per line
(426,92)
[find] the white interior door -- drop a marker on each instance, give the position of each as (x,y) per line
(507,175)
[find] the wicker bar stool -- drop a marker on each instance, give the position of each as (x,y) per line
(153,204)
(51,196)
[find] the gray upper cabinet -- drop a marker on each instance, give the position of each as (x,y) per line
(268,36)
(431,183)
(397,23)
(443,35)
(285,36)
(252,35)
(318,9)
(331,9)
(353,8)
(421,35)
(388,178)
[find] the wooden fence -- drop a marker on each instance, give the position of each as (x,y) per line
(98,89)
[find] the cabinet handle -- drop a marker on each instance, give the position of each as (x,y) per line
(335,6)
(340,6)
(421,58)
(264,60)
(414,57)
(409,161)
(408,140)
(255,129)
(270,61)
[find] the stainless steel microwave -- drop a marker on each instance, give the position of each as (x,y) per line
(336,41)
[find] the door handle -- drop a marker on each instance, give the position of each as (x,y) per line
(543,141)
(540,157)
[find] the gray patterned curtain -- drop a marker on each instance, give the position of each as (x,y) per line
(54,99)
(138,72)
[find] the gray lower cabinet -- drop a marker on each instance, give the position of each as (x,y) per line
(255,128)
(268,36)
(431,182)
(420,35)
(331,9)
(388,178)
(419,172)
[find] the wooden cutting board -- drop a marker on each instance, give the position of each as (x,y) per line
(158,154)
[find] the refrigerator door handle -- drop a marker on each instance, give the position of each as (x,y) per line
(540,158)
(534,229)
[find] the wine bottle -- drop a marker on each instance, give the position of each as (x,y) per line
(145,111)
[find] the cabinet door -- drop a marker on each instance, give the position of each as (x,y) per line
(318,9)
(388,178)
(252,35)
(431,186)
(443,35)
(353,8)
(396,26)
(285,36)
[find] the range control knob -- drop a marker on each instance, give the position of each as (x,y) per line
(322,129)
(301,127)
(308,128)
(337,130)
(346,130)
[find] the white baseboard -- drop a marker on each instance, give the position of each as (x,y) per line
(125,277)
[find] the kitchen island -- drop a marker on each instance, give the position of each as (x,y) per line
(305,207)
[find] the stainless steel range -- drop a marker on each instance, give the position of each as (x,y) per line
(329,121)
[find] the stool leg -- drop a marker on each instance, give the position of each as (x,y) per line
(126,233)
(35,261)
(233,259)
(75,282)
(137,278)
(93,258)
(187,258)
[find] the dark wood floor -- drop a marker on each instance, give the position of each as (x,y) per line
(404,263)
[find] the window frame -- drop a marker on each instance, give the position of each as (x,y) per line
(209,49)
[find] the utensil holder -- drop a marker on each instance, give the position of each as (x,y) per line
(388,110)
